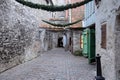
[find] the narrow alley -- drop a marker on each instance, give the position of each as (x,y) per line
(52,65)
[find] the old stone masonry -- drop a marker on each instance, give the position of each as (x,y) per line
(18,34)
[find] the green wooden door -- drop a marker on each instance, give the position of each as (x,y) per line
(85,43)
(91,51)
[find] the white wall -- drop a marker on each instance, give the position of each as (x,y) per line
(89,14)
(106,13)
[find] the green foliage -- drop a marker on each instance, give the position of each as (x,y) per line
(78,53)
(53,8)
(61,25)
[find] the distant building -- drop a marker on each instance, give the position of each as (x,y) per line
(73,32)
(23,35)
(49,38)
(77,14)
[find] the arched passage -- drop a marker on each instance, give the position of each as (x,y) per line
(60,42)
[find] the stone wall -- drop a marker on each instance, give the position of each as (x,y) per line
(46,37)
(54,40)
(69,43)
(55,37)
(49,39)
(40,14)
(77,14)
(76,40)
(21,38)
(117,46)
(106,14)
(18,34)
(73,40)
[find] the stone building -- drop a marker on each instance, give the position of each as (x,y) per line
(76,14)
(89,14)
(44,35)
(57,32)
(22,36)
(88,35)
(74,33)
(108,37)
(18,34)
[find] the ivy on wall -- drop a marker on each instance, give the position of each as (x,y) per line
(61,25)
(53,8)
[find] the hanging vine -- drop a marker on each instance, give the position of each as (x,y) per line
(61,25)
(53,8)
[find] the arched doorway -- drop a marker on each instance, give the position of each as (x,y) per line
(60,42)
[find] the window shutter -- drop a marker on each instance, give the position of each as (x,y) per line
(103,36)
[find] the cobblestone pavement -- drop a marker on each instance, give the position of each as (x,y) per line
(52,65)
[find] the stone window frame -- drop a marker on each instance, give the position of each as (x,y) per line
(104,35)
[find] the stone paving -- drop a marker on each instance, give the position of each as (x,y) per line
(52,65)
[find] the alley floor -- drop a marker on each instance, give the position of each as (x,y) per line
(52,65)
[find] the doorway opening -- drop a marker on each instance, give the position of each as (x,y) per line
(60,42)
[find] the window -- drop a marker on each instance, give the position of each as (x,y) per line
(103,36)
